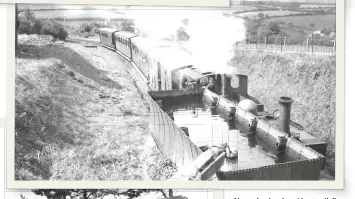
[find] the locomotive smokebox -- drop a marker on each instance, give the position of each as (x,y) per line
(285,114)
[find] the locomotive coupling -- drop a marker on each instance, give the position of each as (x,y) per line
(231,113)
(252,125)
(281,143)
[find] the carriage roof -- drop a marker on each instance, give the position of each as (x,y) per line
(170,57)
(125,34)
(108,30)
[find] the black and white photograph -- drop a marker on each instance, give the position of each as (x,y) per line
(152,93)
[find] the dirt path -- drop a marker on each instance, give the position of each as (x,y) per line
(105,119)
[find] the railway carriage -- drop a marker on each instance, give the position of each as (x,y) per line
(140,48)
(123,42)
(107,37)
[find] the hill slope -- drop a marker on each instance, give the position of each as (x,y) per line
(80,116)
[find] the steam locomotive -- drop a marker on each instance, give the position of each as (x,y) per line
(166,68)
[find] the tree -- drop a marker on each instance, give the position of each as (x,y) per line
(261,16)
(274,28)
(22,196)
(171,193)
(94,193)
(55,29)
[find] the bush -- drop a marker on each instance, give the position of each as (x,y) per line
(28,24)
(127,25)
(274,28)
(87,30)
(55,29)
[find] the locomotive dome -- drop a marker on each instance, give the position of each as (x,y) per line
(248,105)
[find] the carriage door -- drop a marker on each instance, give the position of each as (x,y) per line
(113,41)
(159,76)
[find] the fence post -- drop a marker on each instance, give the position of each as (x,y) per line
(312,44)
(265,40)
(281,43)
(334,45)
(285,41)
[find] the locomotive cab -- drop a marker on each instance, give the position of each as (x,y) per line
(165,68)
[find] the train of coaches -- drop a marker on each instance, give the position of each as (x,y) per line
(162,64)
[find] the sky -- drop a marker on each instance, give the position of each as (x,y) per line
(56,6)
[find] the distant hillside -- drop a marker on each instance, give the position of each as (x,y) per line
(298,1)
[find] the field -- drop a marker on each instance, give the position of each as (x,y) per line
(320,21)
(272,13)
(317,6)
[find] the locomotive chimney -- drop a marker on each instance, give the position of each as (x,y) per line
(285,114)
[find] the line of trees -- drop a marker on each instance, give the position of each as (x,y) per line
(27,23)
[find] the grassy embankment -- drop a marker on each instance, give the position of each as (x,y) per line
(80,116)
(309,80)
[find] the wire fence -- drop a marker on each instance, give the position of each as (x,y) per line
(311,45)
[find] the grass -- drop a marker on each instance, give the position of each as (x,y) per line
(320,21)
(79,116)
(309,80)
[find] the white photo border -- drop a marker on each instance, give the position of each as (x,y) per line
(338,183)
